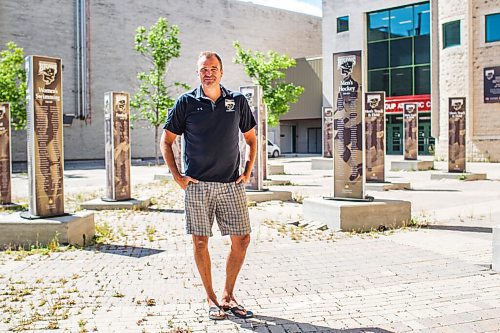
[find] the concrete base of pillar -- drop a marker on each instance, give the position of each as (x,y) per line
(261,196)
(275,169)
(412,165)
(387,186)
(132,204)
(496,249)
(459,176)
(322,163)
(75,229)
(358,216)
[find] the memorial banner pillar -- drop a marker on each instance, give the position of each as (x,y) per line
(253,94)
(375,136)
(44,110)
(5,155)
(410,124)
(347,120)
(456,143)
(117,139)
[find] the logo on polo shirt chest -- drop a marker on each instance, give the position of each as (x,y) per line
(230,105)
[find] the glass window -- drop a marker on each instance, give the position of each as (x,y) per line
(379,81)
(451,34)
(422,49)
(401,52)
(342,24)
(378,26)
(492,23)
(401,81)
(422,80)
(422,19)
(401,24)
(378,55)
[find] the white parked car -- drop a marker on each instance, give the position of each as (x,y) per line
(272,149)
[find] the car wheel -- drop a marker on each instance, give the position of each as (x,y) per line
(276,153)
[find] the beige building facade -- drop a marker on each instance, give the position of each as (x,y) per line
(444,62)
(103,31)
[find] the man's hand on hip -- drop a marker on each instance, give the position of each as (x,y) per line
(184,181)
(243,179)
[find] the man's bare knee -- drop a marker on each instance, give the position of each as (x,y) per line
(200,243)
(240,242)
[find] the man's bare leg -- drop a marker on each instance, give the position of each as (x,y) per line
(234,262)
(202,259)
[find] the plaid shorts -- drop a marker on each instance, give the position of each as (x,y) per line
(226,201)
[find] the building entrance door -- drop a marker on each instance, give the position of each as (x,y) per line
(314,140)
(394,139)
(425,140)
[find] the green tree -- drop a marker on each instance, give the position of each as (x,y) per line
(13,83)
(159,46)
(268,72)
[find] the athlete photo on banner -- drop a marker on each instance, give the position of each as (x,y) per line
(328,132)
(456,143)
(5,155)
(347,126)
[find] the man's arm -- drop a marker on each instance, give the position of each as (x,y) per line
(251,140)
(166,141)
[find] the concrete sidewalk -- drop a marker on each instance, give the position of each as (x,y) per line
(141,277)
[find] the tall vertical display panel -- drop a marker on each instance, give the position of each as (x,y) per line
(253,94)
(347,126)
(410,124)
(5,155)
(456,143)
(375,136)
(44,110)
(117,148)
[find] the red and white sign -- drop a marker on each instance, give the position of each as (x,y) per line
(395,104)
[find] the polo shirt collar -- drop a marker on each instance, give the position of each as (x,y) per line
(201,94)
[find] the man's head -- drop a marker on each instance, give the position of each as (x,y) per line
(209,69)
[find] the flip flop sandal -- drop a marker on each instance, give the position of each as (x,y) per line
(214,313)
(237,311)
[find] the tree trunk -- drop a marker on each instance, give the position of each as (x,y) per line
(156,146)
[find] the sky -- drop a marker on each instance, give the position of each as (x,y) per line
(312,7)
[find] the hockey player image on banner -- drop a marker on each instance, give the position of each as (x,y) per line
(5,155)
(347,126)
(328,132)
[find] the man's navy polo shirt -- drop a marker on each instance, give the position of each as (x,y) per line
(211,133)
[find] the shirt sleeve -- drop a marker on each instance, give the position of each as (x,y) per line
(176,120)
(247,121)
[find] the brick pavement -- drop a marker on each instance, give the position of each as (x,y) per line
(142,278)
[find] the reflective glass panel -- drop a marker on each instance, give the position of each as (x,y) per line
(492,28)
(422,49)
(379,81)
(451,34)
(422,80)
(342,24)
(378,26)
(401,22)
(422,19)
(401,52)
(378,55)
(401,81)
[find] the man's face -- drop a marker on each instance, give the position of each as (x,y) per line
(209,71)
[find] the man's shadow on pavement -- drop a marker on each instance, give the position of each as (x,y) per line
(124,250)
(257,323)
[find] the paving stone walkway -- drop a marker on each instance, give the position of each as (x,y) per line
(140,276)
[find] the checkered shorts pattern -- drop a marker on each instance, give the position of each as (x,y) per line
(226,201)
